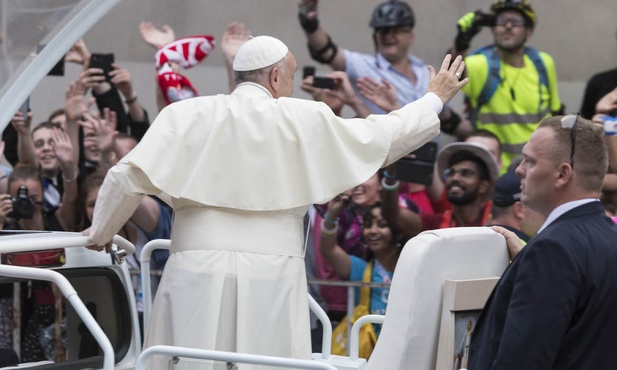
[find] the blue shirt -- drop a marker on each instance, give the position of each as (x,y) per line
(379,296)
(378,68)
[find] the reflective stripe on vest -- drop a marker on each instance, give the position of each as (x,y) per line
(511,118)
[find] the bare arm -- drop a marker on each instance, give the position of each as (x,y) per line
(146,216)
(25,146)
(318,38)
(406,221)
(74,109)
(121,78)
(63,150)
(336,256)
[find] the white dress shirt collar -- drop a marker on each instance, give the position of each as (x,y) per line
(563,208)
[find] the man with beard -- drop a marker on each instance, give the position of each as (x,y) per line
(469,172)
(512,86)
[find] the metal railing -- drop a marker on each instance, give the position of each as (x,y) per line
(147,273)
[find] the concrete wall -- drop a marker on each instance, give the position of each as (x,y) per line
(580,35)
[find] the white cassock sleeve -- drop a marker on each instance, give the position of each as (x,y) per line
(406,135)
(118,198)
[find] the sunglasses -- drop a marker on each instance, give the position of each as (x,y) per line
(514,21)
(395,29)
(569,122)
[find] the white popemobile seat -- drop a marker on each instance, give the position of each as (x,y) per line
(410,332)
(411,327)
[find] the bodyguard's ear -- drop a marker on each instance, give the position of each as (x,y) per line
(565,174)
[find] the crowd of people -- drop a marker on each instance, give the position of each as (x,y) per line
(58,166)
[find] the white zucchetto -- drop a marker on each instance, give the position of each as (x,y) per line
(259,52)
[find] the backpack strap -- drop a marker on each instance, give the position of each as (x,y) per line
(365,291)
(494,74)
(493,79)
(537,61)
(535,57)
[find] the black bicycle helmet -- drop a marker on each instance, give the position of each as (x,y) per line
(391,14)
(523,6)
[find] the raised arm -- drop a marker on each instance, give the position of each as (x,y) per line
(321,46)
(121,79)
(63,149)
(235,35)
(103,131)
(25,146)
(468,26)
(336,256)
(404,220)
(75,105)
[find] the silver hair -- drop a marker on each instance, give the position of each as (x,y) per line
(258,75)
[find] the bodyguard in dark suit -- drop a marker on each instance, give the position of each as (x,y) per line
(555,306)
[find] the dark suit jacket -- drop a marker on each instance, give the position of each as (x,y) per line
(555,306)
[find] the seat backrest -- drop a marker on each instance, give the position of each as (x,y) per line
(410,332)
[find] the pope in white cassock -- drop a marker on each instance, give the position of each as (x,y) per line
(241,170)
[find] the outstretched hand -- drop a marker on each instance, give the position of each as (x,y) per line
(235,35)
(446,83)
(381,94)
(156,37)
(79,54)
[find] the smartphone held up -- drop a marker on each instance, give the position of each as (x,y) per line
(104,62)
(319,82)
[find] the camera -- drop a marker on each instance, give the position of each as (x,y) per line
(23,205)
(485,19)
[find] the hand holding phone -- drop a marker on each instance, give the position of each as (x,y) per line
(104,62)
(323,82)
(25,107)
(308,71)
(418,166)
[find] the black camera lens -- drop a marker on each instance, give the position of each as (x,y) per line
(23,205)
